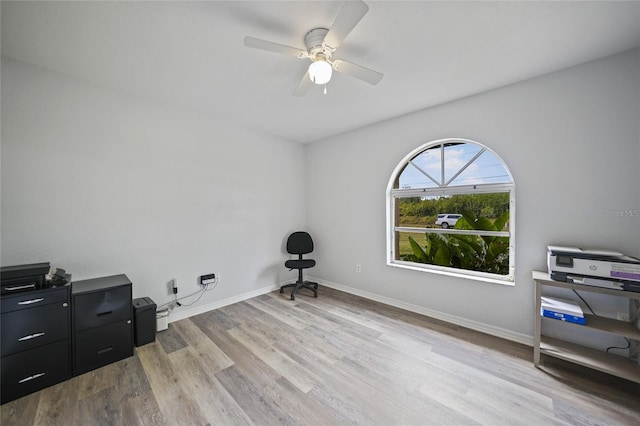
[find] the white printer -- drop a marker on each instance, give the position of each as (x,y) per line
(601,268)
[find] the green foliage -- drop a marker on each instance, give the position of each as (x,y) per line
(471,252)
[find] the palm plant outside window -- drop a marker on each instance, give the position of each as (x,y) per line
(450,209)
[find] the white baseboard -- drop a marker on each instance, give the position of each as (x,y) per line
(177,315)
(453,319)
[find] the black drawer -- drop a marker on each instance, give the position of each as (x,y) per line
(101,307)
(30,328)
(34,299)
(35,369)
(103,345)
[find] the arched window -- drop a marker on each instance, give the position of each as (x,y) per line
(451,210)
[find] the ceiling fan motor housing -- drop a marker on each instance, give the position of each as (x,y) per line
(313,40)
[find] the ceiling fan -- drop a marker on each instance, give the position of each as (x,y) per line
(320,44)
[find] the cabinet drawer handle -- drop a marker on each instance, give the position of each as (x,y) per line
(29,302)
(20,287)
(105,350)
(104,313)
(30,336)
(35,376)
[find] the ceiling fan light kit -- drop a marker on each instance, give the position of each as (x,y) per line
(320,45)
(320,71)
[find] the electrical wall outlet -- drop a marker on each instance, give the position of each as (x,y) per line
(623,316)
(358,267)
(205,280)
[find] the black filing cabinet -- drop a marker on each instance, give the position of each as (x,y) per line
(102,322)
(36,346)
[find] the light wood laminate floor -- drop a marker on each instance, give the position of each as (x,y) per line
(335,360)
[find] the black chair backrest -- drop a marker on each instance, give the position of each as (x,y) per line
(299,243)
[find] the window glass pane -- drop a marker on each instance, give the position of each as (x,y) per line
(405,252)
(456,156)
(416,212)
(423,165)
(411,177)
(487,168)
(444,212)
(425,169)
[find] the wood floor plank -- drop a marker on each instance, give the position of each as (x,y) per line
(58,403)
(574,410)
(176,403)
(215,318)
(245,360)
(101,409)
(485,397)
(283,315)
(142,409)
(251,396)
(301,407)
(302,378)
(212,356)
(295,343)
(408,405)
(242,313)
(21,411)
(129,378)
(171,340)
(214,401)
(96,380)
(486,384)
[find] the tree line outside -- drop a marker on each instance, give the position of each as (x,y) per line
(422,213)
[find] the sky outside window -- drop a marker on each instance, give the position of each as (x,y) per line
(487,168)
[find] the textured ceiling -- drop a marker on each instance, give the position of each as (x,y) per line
(191,53)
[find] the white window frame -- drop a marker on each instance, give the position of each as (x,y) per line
(442,188)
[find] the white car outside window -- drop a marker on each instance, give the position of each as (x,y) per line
(447,220)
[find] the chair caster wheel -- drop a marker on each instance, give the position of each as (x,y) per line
(281,291)
(315,295)
(293,297)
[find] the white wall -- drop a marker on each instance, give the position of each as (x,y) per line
(99,182)
(571,140)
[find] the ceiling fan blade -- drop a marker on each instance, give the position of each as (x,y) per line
(257,43)
(350,14)
(304,86)
(357,71)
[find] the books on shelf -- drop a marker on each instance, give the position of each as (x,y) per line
(563,310)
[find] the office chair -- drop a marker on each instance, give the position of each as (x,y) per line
(300,243)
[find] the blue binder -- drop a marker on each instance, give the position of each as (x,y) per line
(563,317)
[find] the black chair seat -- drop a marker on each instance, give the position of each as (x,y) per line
(297,264)
(300,243)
